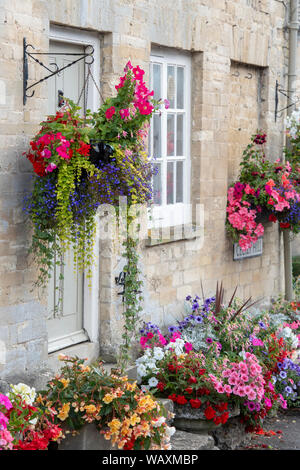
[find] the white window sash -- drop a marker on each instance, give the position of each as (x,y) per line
(177,213)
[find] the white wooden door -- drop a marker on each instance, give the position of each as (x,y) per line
(65,319)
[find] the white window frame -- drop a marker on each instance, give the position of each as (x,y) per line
(168,215)
(91,312)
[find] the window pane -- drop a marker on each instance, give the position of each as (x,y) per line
(180,87)
(157,190)
(156,136)
(157,81)
(171,85)
(170,135)
(179,136)
(179,182)
(170,183)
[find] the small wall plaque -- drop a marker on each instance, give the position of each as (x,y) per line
(255,250)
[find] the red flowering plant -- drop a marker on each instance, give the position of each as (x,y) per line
(263,188)
(23,424)
(185,379)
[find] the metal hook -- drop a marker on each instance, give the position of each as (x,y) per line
(249,75)
(236,74)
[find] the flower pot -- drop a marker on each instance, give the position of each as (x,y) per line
(88,438)
(193,420)
(263,216)
(100,152)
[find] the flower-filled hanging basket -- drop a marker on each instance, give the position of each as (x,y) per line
(266,191)
(80,163)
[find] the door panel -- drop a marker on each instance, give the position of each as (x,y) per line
(65,310)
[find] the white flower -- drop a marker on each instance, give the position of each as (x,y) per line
(141,370)
(27,393)
(151,365)
(170,431)
(152,382)
(158,422)
(158,354)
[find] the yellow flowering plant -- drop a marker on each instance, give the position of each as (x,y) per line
(125,415)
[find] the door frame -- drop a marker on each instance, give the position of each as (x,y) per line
(91,312)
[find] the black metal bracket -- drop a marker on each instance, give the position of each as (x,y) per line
(285,93)
(89,51)
(120,281)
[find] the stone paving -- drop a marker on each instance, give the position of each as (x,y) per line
(286,429)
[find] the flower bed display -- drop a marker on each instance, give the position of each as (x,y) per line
(265,191)
(81,395)
(221,358)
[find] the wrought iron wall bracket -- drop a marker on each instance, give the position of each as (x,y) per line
(120,281)
(88,54)
(287,94)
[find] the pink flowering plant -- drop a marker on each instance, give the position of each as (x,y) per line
(124,118)
(264,188)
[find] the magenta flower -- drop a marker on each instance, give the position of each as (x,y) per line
(188,347)
(5,401)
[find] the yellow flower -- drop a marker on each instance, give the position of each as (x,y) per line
(84,368)
(65,382)
(108,398)
(64,411)
(40,399)
(146,404)
(90,409)
(131,387)
(134,419)
(114,426)
(124,379)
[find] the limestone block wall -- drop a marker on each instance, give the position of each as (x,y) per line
(221,37)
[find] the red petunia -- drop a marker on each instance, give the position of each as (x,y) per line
(160,386)
(189,390)
(202,371)
(209,413)
(181,400)
(192,380)
(84,149)
(173,397)
(224,417)
(195,403)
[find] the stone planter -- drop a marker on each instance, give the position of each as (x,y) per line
(89,438)
(193,420)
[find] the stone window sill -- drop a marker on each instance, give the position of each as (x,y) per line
(171,234)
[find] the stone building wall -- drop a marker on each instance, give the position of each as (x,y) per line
(222,37)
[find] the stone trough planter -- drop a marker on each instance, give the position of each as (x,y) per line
(193,420)
(89,438)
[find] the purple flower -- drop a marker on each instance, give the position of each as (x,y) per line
(172,329)
(282,374)
(209,340)
(199,319)
(251,406)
